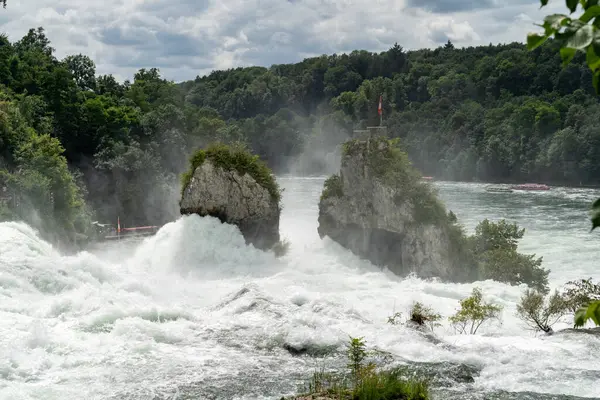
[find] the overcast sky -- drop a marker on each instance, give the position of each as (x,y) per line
(185,38)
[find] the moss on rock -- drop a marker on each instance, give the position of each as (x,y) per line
(233,157)
(390,164)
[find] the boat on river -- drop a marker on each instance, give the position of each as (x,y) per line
(105,232)
(498,189)
(531,186)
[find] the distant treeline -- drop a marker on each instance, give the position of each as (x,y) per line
(78,147)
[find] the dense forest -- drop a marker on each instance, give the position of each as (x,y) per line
(77,147)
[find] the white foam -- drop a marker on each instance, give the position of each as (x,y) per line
(195,304)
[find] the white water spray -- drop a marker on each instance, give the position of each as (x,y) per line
(195,310)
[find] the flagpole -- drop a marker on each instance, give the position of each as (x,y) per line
(380,110)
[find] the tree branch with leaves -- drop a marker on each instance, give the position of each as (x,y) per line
(577,34)
(573,34)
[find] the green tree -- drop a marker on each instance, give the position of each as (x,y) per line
(83,70)
(495,248)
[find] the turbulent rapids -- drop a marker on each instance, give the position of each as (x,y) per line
(193,312)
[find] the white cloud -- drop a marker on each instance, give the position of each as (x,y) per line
(185,38)
(441,29)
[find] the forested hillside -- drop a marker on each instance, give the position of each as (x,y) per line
(78,147)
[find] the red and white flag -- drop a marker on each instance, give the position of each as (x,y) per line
(380,109)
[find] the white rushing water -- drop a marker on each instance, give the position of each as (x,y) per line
(195,313)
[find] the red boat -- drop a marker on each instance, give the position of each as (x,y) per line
(111,232)
(531,186)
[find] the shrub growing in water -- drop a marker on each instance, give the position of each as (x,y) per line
(233,157)
(473,313)
(423,315)
(539,313)
(419,314)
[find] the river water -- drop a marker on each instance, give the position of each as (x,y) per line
(194,313)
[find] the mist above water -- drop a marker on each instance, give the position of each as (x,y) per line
(193,311)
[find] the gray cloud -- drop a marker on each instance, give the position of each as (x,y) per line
(453,6)
(449,6)
(185,38)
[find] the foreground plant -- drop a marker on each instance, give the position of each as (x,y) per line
(473,313)
(366,382)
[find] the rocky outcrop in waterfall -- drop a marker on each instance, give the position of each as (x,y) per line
(379,208)
(231,184)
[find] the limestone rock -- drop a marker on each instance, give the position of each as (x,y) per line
(380,210)
(234,199)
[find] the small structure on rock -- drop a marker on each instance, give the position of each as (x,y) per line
(379,208)
(235,186)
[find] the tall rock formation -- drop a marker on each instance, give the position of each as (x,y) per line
(379,208)
(231,184)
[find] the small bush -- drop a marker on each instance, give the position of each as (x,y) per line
(424,316)
(473,313)
(418,314)
(234,157)
(356,351)
(539,314)
(332,187)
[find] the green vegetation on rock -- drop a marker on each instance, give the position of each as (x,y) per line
(332,187)
(491,253)
(234,157)
(494,247)
(389,163)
